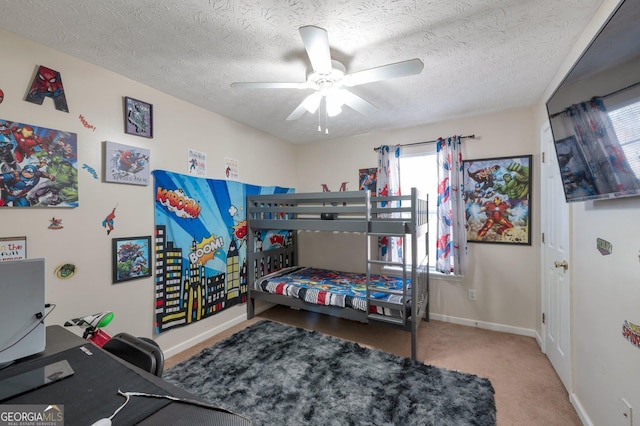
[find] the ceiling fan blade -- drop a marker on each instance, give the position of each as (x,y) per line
(259,85)
(298,112)
(384,72)
(358,104)
(316,42)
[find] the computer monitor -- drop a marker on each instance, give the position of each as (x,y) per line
(22,309)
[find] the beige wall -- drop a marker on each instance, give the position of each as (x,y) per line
(506,277)
(605,290)
(97,95)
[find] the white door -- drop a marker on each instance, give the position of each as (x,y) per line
(556,264)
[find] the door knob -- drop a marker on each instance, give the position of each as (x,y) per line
(564,264)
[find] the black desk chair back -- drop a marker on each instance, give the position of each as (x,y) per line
(141,352)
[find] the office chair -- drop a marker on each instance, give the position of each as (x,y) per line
(139,351)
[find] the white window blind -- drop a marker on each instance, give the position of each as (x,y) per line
(420,171)
(626,123)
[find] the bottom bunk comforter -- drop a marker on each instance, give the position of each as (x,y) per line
(334,288)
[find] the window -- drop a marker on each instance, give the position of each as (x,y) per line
(626,124)
(419,170)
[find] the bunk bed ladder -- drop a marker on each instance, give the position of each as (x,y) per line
(397,321)
(415,269)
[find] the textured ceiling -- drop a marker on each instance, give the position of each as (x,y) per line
(479,55)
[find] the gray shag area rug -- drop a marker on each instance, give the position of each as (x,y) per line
(276,374)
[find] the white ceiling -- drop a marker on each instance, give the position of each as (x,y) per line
(479,55)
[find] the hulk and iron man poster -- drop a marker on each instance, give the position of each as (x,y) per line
(497,196)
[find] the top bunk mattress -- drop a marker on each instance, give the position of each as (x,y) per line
(334,288)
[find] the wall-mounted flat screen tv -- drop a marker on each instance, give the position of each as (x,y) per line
(595,113)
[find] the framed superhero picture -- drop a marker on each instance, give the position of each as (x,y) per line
(497,194)
(367,179)
(38,166)
(138,118)
(131,258)
(126,164)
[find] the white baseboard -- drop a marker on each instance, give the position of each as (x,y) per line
(540,342)
(210,333)
(485,325)
(174,350)
(586,421)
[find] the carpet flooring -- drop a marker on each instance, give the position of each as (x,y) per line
(277,374)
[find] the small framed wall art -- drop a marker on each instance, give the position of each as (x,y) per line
(126,164)
(138,118)
(367,179)
(131,257)
(13,248)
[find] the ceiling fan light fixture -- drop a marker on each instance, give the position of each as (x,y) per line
(312,102)
(330,81)
(332,111)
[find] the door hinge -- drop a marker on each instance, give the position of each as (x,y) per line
(543,156)
(543,318)
(543,238)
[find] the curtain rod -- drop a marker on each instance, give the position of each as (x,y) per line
(631,86)
(428,142)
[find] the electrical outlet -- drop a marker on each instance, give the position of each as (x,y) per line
(472,294)
(627,412)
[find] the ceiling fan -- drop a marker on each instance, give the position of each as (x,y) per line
(329,80)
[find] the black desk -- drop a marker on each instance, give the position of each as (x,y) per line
(91,393)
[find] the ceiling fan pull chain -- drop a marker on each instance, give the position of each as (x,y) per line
(326,119)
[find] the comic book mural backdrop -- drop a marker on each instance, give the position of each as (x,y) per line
(201,246)
(38,166)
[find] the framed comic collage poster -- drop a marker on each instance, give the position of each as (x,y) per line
(38,166)
(131,258)
(497,194)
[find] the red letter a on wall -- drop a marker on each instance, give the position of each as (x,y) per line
(47,82)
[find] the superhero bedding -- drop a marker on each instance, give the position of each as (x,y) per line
(335,288)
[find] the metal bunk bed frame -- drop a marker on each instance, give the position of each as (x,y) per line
(350,211)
